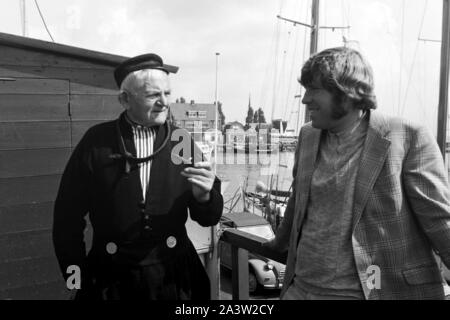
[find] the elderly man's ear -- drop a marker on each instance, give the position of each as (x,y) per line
(123,99)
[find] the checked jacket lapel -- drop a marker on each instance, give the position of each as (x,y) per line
(307,159)
(373,156)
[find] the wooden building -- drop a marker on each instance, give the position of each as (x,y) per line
(49,95)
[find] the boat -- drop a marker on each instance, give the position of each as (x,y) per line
(288,140)
(268,203)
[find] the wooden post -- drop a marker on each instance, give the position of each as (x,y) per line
(239,273)
(444,78)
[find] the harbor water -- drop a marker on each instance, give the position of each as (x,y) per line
(274,170)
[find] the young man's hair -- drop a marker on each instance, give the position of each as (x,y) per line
(344,72)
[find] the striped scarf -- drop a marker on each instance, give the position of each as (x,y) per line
(143,140)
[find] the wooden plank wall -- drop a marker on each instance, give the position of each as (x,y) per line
(47,102)
(34,145)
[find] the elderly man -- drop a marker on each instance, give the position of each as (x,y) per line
(370,203)
(122,173)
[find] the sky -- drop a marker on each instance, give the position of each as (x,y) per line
(260,56)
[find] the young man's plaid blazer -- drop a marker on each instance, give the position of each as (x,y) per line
(401,213)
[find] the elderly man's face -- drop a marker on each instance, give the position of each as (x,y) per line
(148,99)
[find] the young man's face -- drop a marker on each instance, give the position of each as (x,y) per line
(149,100)
(323,107)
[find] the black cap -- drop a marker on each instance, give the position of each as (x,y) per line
(144,61)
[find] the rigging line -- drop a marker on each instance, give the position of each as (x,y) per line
(265,79)
(424,74)
(414,56)
(346,17)
(291,74)
(409,80)
(274,94)
(43,20)
(301,109)
(391,88)
(424,91)
(292,59)
(278,79)
(343,17)
(402,65)
(305,33)
(402,36)
(349,18)
(23,17)
(303,7)
(285,79)
(346,9)
(282,2)
(325,18)
(283,68)
(421,75)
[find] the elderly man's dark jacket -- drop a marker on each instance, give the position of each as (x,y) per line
(96,182)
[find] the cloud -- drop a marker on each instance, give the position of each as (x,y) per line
(119,31)
(188,33)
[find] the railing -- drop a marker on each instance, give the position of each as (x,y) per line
(241,243)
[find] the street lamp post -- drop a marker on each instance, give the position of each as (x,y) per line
(216,105)
(213,263)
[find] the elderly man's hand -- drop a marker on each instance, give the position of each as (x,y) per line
(202,179)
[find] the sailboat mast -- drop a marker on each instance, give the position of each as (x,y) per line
(315,27)
(315,12)
(444,78)
(314,38)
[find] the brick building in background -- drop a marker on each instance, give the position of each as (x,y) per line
(193,116)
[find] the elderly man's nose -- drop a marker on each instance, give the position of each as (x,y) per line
(164,99)
(306,98)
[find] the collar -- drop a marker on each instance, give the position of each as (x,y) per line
(127,149)
(359,126)
(379,123)
(136,125)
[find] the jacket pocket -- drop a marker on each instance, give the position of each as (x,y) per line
(421,275)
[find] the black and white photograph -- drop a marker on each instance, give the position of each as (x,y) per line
(224,156)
